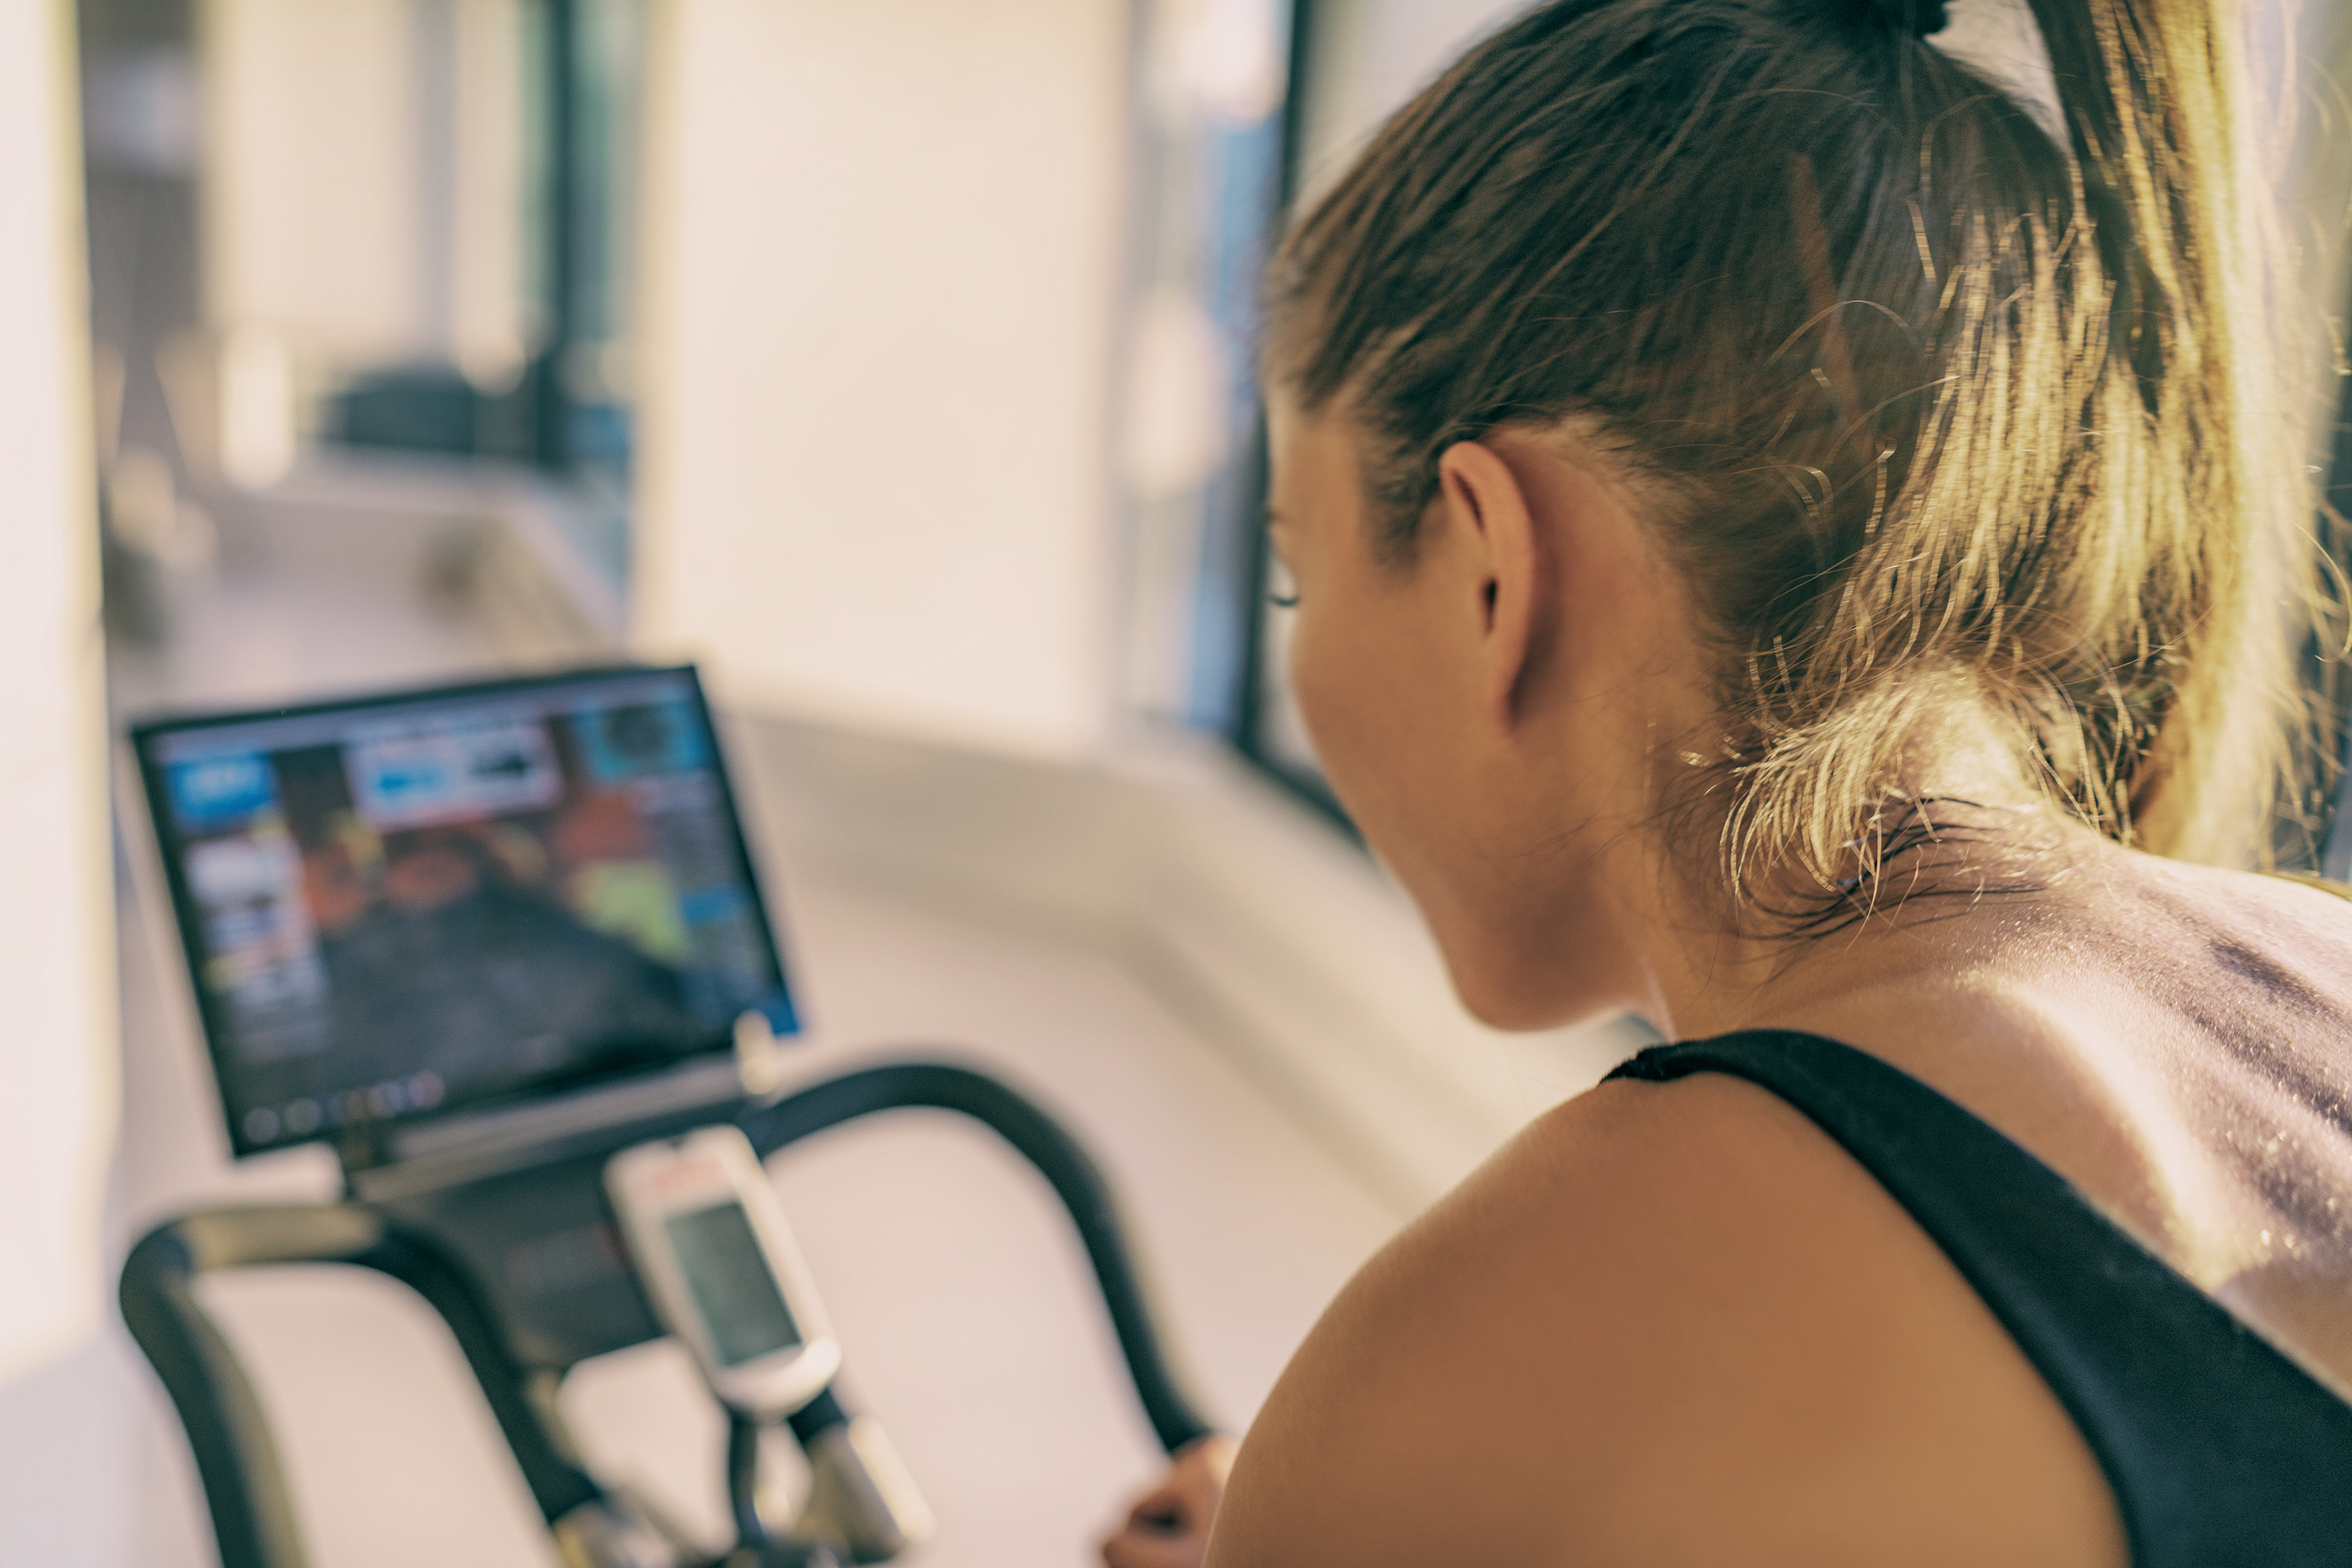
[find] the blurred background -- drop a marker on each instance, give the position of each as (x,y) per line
(893,360)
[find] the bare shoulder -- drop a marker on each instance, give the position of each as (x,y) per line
(1668,1323)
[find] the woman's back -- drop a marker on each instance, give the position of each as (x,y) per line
(1679,1323)
(2175,1041)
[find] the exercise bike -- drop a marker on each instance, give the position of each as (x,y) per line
(448,1247)
(483,940)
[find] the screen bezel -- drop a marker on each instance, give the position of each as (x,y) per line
(169,845)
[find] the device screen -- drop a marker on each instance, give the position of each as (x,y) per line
(728,1276)
(405,905)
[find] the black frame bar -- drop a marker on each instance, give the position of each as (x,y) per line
(1248,706)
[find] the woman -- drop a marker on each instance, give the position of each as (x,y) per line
(1785,546)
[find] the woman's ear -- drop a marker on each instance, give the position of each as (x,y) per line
(1501,561)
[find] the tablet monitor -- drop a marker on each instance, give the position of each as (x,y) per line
(408,905)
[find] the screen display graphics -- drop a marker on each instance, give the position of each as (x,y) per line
(729,1277)
(409,905)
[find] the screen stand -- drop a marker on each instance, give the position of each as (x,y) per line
(533,1226)
(363,1146)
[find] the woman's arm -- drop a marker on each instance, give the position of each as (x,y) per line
(1668,1324)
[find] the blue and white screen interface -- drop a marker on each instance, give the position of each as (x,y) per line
(405,907)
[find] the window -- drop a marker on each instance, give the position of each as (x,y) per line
(1253,109)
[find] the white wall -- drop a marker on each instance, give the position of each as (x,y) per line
(311,188)
(56,981)
(362,176)
(56,907)
(1369,58)
(881,247)
(1372,56)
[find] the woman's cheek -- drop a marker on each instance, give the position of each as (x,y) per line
(1313,684)
(1351,714)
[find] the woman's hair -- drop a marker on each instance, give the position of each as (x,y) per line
(1933,408)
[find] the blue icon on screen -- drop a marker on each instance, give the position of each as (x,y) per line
(706,906)
(640,739)
(221,791)
(776,1007)
(410,779)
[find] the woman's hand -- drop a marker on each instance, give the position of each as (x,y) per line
(1168,1525)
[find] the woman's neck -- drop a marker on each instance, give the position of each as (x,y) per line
(1937,889)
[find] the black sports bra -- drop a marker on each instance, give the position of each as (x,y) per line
(2219,1448)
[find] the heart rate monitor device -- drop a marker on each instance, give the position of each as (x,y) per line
(710,1241)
